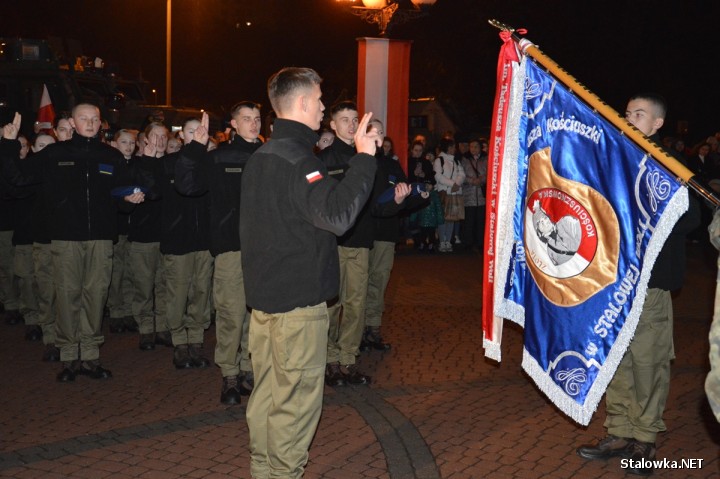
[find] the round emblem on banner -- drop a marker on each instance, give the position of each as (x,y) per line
(560,234)
(571,235)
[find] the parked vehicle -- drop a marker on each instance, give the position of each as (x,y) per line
(28,64)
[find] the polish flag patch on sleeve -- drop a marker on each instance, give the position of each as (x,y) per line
(313,177)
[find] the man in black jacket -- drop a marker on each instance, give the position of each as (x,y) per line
(386,234)
(354,252)
(220,173)
(144,258)
(637,392)
(185,248)
(290,212)
(9,293)
(77,178)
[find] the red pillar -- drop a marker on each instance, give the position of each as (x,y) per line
(384,87)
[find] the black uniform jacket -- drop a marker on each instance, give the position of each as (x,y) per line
(337,160)
(77,177)
(220,173)
(290,212)
(387,216)
(185,221)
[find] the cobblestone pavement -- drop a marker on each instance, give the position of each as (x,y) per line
(436,408)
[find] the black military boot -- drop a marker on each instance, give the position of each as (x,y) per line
(230,393)
(181,357)
(333,376)
(198,360)
(372,340)
(611,446)
(641,460)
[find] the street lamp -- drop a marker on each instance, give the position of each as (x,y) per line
(154,92)
(382,12)
(168,54)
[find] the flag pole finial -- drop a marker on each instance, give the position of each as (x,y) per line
(501,26)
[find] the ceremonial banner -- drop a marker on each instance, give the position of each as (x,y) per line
(585,213)
(496,232)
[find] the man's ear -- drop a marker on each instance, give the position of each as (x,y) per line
(658,123)
(333,125)
(182,136)
(233,123)
(72,123)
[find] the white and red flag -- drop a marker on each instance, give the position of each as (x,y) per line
(46,112)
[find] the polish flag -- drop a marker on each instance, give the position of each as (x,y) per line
(314,176)
(46,113)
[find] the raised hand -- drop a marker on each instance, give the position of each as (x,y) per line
(11,130)
(366,141)
(201,134)
(151,145)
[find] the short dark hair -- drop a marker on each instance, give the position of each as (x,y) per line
(188,120)
(244,104)
(283,86)
(343,105)
(445,144)
(657,100)
(61,115)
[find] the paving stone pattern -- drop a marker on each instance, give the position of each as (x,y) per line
(436,408)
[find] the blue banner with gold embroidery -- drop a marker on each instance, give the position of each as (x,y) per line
(589,212)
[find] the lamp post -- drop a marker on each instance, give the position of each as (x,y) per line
(168,55)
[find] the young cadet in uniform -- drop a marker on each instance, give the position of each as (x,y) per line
(9,293)
(24,266)
(145,260)
(42,263)
(636,395)
(386,234)
(184,244)
(77,178)
(290,212)
(42,257)
(220,173)
(345,335)
(121,292)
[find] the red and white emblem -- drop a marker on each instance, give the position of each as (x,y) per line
(313,177)
(561,236)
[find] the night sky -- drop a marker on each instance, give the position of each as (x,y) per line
(616,48)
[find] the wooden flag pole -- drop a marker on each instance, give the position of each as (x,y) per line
(607,112)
